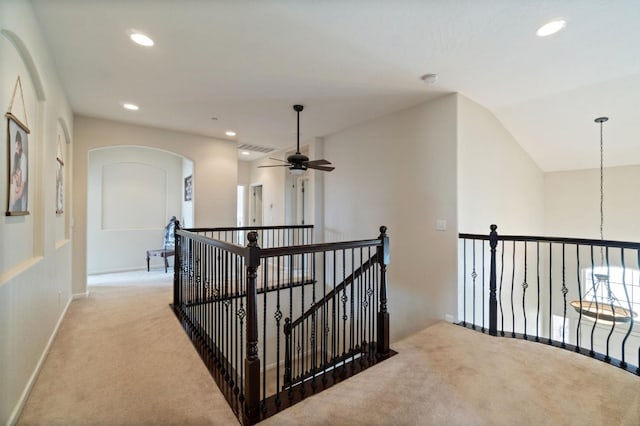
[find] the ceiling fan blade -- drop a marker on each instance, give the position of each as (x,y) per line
(323,168)
(276,165)
(322,162)
(277,159)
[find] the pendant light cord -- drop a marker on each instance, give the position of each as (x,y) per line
(601,186)
(601,121)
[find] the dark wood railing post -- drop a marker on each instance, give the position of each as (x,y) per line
(177,265)
(383,315)
(252,361)
(493,301)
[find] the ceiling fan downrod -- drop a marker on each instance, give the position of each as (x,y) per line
(298,108)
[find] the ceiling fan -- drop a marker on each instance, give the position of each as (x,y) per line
(298,163)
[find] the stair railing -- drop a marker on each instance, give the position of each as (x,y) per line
(578,294)
(232,299)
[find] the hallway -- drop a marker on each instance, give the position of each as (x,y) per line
(121,358)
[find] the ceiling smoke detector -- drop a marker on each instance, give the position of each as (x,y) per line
(429,79)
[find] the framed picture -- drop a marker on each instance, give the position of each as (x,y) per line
(18,151)
(59,178)
(188,188)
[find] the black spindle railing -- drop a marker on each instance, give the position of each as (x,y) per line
(279,318)
(583,302)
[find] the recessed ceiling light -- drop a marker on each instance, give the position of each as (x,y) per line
(132,107)
(230,133)
(141,39)
(551,28)
(245,153)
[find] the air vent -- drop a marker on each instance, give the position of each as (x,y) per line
(255,148)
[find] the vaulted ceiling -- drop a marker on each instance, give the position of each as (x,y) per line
(245,63)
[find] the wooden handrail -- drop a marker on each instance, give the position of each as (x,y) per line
(248,228)
(317,248)
(579,241)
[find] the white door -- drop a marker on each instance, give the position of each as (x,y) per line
(256,206)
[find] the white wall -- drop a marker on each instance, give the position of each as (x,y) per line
(272,180)
(35,259)
(572,203)
(400,171)
(186,221)
(498,183)
(133,192)
(214,174)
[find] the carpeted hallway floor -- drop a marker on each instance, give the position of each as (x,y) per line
(121,358)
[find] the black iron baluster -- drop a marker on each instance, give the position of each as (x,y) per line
(227,303)
(343,299)
(177,261)
(513,282)
(334,322)
(595,299)
(474,275)
(579,297)
(607,358)
(278,316)
(550,293)
(302,329)
(233,325)
(240,312)
(360,317)
(265,278)
(376,321)
(324,349)
(501,280)
(290,349)
(538,287)
(564,290)
(484,272)
(464,282)
(352,306)
(623,363)
(525,285)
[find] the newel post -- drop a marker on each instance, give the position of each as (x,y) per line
(493,302)
(177,265)
(252,362)
(383,314)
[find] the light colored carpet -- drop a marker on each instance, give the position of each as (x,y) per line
(121,358)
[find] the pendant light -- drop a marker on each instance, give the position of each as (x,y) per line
(599,302)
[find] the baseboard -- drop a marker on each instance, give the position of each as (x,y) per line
(80,295)
(36,372)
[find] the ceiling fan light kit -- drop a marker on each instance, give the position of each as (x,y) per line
(298,163)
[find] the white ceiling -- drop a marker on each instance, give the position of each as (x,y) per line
(248,62)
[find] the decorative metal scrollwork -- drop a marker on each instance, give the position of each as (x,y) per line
(241,312)
(278,315)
